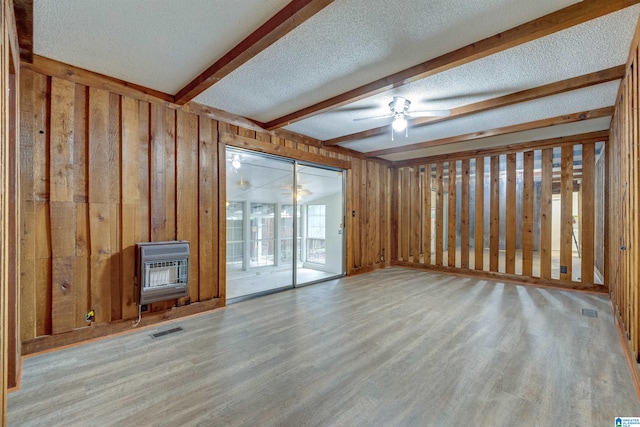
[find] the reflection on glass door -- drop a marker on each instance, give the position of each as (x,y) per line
(284,224)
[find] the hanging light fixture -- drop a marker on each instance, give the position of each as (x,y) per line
(235,162)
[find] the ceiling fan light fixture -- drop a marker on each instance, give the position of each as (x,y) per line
(399,123)
(399,105)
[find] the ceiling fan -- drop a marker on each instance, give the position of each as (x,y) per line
(400,112)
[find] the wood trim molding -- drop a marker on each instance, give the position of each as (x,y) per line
(292,15)
(504,277)
(521,127)
(280,150)
(60,70)
(554,88)
(50,342)
(567,17)
(583,138)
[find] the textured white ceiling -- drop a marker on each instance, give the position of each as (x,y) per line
(160,44)
(353,42)
(599,96)
(586,48)
(164,44)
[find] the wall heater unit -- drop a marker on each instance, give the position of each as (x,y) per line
(162,271)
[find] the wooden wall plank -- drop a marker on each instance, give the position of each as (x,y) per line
(130,200)
(566,214)
(494,227)
(426,214)
(207,182)
(510,226)
(478,238)
(415,216)
(451,229)
(439,214)
(62,139)
(546,213)
(80,137)
(28,134)
(527,213)
(219,217)
(115,197)
(187,192)
(405,217)
(464,215)
(587,226)
(158,176)
(99,209)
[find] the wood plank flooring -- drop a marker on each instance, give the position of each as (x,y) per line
(392,347)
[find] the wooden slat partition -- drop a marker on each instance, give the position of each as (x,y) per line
(623,189)
(515,244)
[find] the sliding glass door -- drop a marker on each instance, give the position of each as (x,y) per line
(284,224)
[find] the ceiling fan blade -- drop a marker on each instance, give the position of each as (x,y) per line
(386,116)
(430,113)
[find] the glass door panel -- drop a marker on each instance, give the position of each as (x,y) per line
(259,222)
(320,199)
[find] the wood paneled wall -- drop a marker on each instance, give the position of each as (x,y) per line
(9,212)
(476,214)
(102,170)
(623,226)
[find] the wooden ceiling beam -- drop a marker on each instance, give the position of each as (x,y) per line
(521,127)
(23,10)
(292,15)
(562,19)
(555,88)
(584,138)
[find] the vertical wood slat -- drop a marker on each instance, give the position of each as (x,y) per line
(206,214)
(405,215)
(187,192)
(510,226)
(62,208)
(451,229)
(99,209)
(439,214)
(635,161)
(219,217)
(28,134)
(464,215)
(546,212)
(394,208)
(587,216)
(494,227)
(115,198)
(527,213)
(415,217)
(426,214)
(80,186)
(478,238)
(566,214)
(130,202)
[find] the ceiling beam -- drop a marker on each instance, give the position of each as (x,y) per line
(584,138)
(521,127)
(562,19)
(555,88)
(292,15)
(23,10)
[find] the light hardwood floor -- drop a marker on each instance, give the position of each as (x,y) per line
(392,347)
